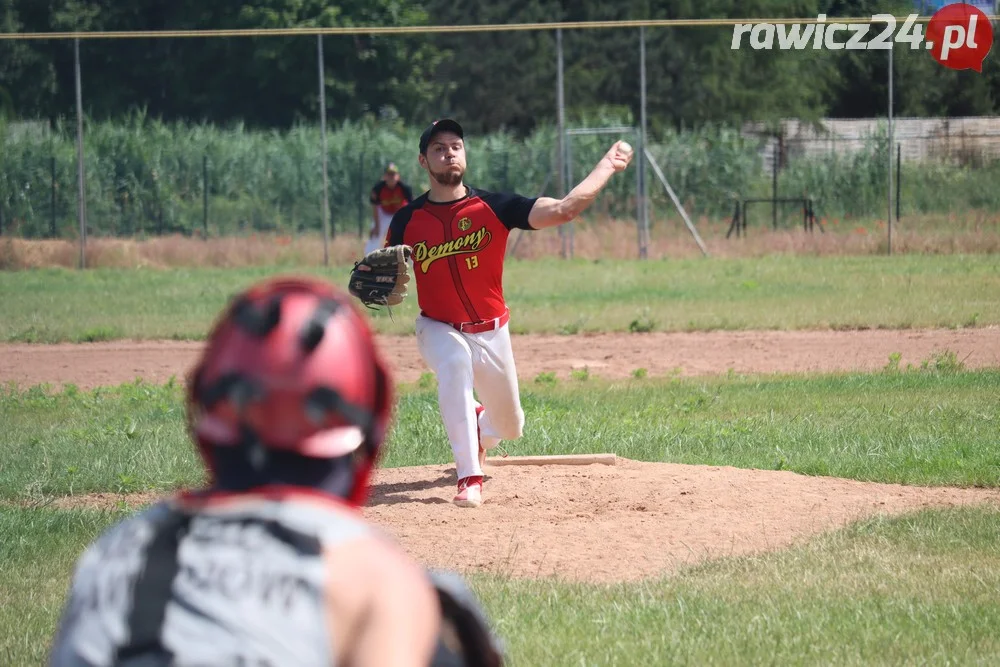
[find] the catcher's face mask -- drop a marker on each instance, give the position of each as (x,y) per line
(292,366)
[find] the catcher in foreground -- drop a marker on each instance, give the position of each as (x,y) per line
(272,563)
(380,277)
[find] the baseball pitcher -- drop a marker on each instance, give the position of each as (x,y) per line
(456,237)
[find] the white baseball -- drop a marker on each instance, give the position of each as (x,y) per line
(625,147)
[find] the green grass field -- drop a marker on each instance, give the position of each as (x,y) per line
(934,427)
(915,589)
(553,296)
(918,589)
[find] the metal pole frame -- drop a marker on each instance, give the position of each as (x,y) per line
(562,161)
(204,194)
(322,131)
(361,193)
(775,162)
(680,208)
(52,206)
(899,187)
(633,133)
(889,151)
(81,183)
(644,200)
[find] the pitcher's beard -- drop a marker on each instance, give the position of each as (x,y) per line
(448,177)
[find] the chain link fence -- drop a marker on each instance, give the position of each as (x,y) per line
(152,179)
(145,177)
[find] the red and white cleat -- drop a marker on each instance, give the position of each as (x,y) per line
(470,492)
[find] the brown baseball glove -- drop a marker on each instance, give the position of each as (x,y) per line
(380,277)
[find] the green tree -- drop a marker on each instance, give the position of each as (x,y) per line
(262,81)
(493,80)
(27,80)
(497,80)
(921,87)
(693,74)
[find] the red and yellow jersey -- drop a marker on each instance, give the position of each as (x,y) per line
(458,251)
(391,199)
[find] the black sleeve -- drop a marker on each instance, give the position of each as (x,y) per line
(407,192)
(376,196)
(399,221)
(511,209)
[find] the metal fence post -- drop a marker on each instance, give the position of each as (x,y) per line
(159,209)
(561,122)
(774,181)
(361,195)
(204,192)
(639,202)
(644,200)
(568,238)
(81,193)
(52,212)
(899,176)
(322,125)
(889,151)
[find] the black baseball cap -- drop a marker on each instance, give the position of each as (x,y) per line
(443,125)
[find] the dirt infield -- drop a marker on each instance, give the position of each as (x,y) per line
(593,523)
(624,522)
(604,355)
(628,521)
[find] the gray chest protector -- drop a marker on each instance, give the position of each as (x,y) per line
(237,584)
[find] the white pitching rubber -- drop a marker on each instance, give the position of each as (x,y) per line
(554,459)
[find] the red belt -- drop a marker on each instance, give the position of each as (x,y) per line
(484,325)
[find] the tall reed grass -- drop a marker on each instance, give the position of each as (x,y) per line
(149,178)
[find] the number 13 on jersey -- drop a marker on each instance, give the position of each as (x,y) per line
(472,262)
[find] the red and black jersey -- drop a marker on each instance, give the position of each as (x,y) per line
(391,199)
(458,251)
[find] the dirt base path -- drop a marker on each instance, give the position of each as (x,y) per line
(606,355)
(617,523)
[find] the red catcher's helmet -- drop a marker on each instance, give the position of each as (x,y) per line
(292,364)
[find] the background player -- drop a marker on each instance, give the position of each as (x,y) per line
(272,564)
(388,196)
(459,239)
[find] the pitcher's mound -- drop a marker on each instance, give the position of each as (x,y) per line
(624,522)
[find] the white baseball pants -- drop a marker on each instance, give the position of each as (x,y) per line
(384,219)
(468,365)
